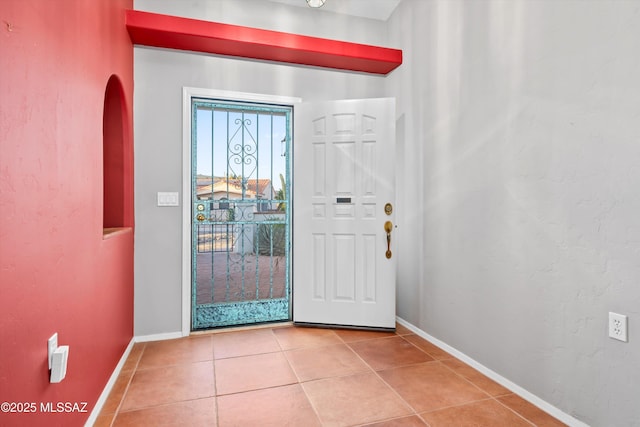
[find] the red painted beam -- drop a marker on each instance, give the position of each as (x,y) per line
(152,29)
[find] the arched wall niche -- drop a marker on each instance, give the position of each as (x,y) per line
(117,170)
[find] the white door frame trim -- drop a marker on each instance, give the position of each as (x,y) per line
(187,94)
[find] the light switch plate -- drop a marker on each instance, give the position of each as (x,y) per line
(168,198)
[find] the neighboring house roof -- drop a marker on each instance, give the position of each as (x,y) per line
(221,187)
(232,186)
(259,186)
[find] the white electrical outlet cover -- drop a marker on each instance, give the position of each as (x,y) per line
(59,364)
(52,345)
(618,327)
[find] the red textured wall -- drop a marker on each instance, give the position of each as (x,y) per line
(57,273)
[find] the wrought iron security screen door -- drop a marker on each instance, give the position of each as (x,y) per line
(240,212)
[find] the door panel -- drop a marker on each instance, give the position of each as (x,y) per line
(344,176)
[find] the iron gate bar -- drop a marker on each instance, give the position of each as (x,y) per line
(213,263)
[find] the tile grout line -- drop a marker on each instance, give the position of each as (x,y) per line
(424,351)
(492,397)
(415,412)
(139,369)
(345,343)
(304,390)
(466,379)
(489,397)
(215,382)
(516,412)
(126,389)
(380,378)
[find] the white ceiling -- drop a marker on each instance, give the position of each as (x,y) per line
(374,9)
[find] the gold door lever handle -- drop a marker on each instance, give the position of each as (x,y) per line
(388,227)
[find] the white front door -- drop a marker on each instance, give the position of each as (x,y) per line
(343,154)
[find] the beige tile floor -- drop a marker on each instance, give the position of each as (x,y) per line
(283,375)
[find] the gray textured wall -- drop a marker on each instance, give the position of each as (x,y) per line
(524,120)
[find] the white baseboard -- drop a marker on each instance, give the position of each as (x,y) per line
(114,376)
(158,337)
(107,388)
(528,396)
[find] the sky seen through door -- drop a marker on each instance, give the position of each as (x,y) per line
(225,132)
